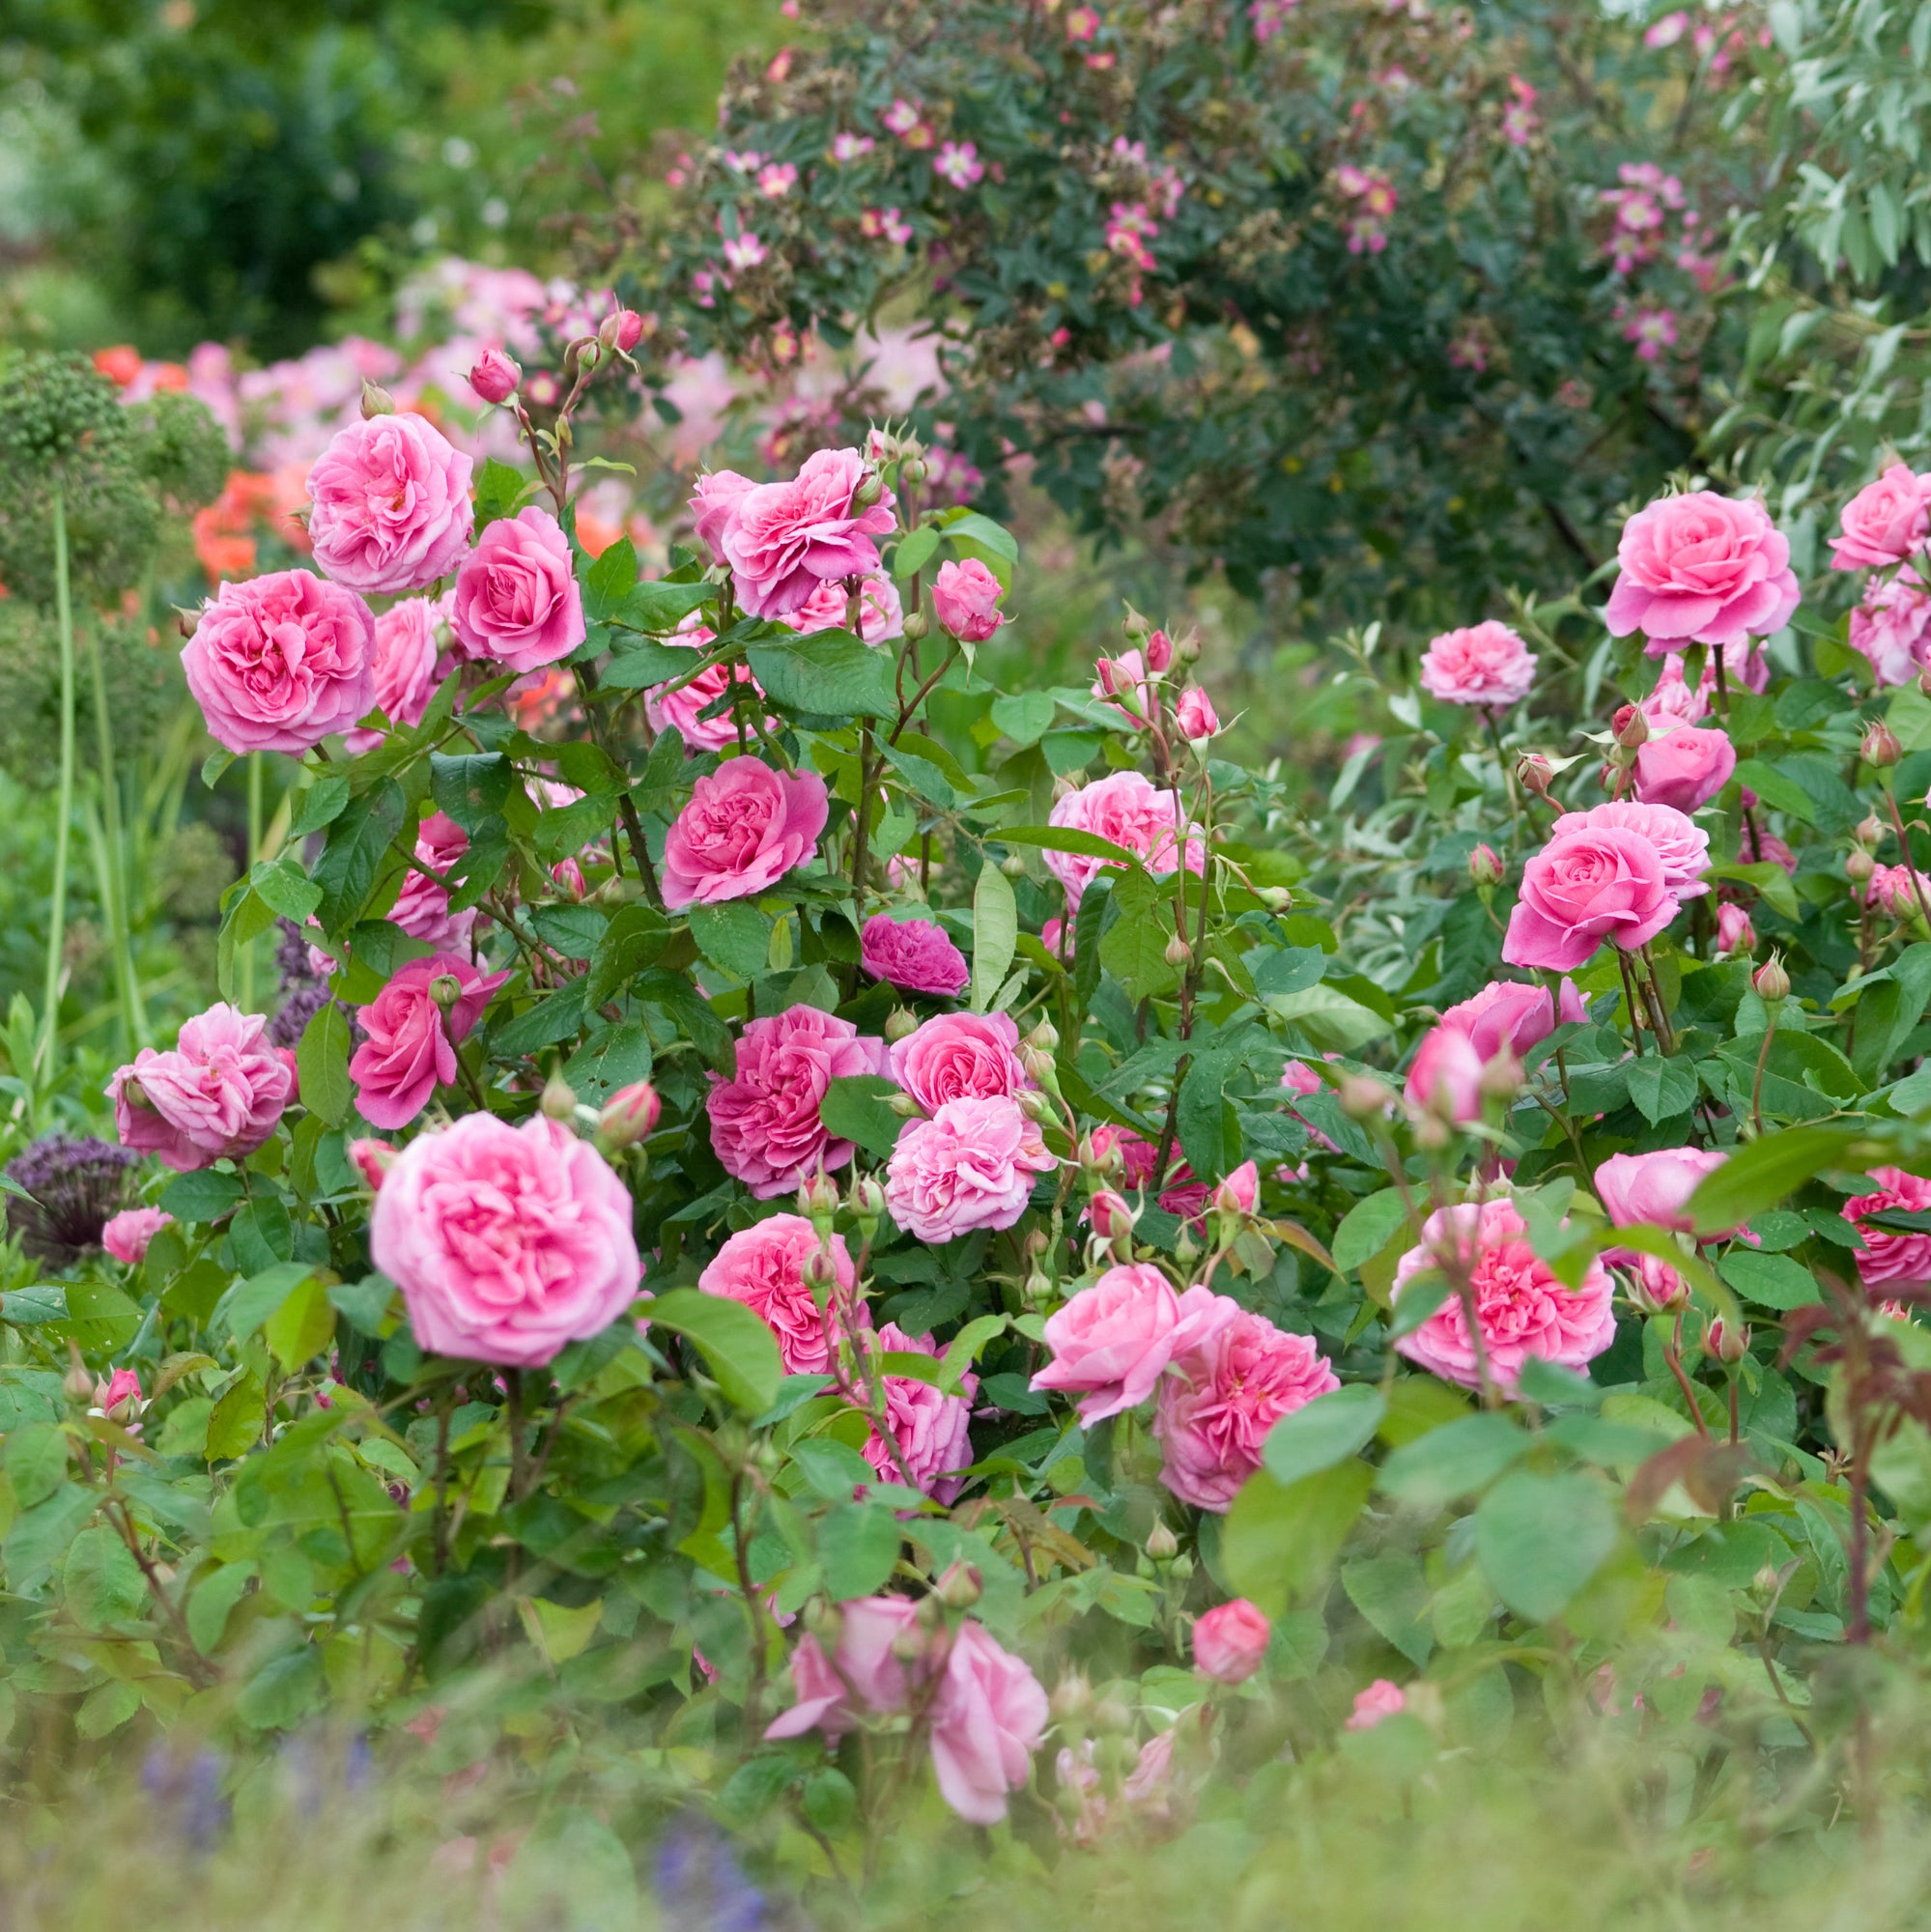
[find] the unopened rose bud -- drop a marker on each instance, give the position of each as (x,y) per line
(1035,1105)
(1727,1345)
(1186,1250)
(1485,865)
(1186,649)
(1770,981)
(1013,866)
(1658,1289)
(818,1201)
(900,1023)
(375,401)
(1631,728)
(1869,833)
(621,330)
(117,1396)
(1179,952)
(1361,1098)
(1533,773)
(560,1100)
(1502,1077)
(1111,1215)
(1159,653)
(871,489)
(905,1107)
(1432,1132)
(1071,1700)
(820,1270)
(1880,749)
(1196,717)
(495,376)
(1276,898)
(1099,1152)
(618,891)
(80,1380)
(960,1587)
(1111,1714)
(1239,1194)
(913,470)
(1860,866)
(1136,627)
(445,989)
(1037,1291)
(868,1201)
(1045,1036)
(916,624)
(629,1116)
(372,1160)
(1162,1545)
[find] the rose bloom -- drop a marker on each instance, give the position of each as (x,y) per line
(1892,627)
(219,1091)
(680,710)
(1893,891)
(516,600)
(1381,1699)
(1653,1187)
(410,1048)
(1673,701)
(507,1242)
(1685,768)
(1487,664)
(781,540)
(391,505)
(1885,521)
(988,1719)
(422,905)
(1112,1341)
(1521,1306)
(866,1672)
(1584,887)
(1146,1794)
(1230,1642)
(1889,1253)
(1701,568)
(126,1236)
(914,955)
(970,1166)
(282,662)
(965,600)
(763,1266)
(881,617)
(1506,1014)
(408,638)
(959,1057)
(744,828)
(1132,813)
(1445,1075)
(764,1121)
(1682,846)
(714,503)
(928,1428)
(1734,931)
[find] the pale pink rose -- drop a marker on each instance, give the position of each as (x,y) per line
(914,955)
(1522,1307)
(763,1266)
(1508,1015)
(764,1122)
(408,638)
(965,600)
(1196,717)
(219,1091)
(987,1721)
(1674,702)
(881,617)
(1890,1254)
(1734,931)
(126,1236)
(1583,887)
(282,662)
(1892,627)
(1682,846)
(1685,768)
(681,710)
(1109,1214)
(391,505)
(970,1166)
(422,905)
(516,600)
(866,1672)
(410,1048)
(1445,1075)
(1214,1412)
(959,1057)
(1885,521)
(1381,1700)
(744,828)
(928,1428)
(781,540)
(1892,890)
(507,1242)
(1230,1642)
(1701,568)
(1132,813)
(714,503)
(1112,1341)
(1487,664)
(1653,1187)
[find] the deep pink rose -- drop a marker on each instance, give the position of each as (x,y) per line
(219,1091)
(987,1721)
(1509,1013)
(764,1122)
(965,600)
(422,905)
(1213,1415)
(1584,887)
(1486,664)
(682,710)
(1684,768)
(410,637)
(1230,1642)
(1890,1254)
(1196,717)
(1382,1699)
(714,503)
(1653,1187)
(410,1048)
(1132,813)
(763,1266)
(914,955)
(1522,1307)
(507,1242)
(126,1236)
(865,1669)
(516,600)
(959,1057)
(781,540)
(1112,1341)
(1682,846)
(1701,568)
(970,1166)
(282,662)
(928,1428)
(745,827)
(493,375)
(1445,1076)
(881,617)
(1892,627)
(1885,521)
(1734,931)
(391,505)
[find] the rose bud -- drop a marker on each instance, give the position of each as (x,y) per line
(1162,1545)
(1656,1287)
(905,1107)
(559,1098)
(1362,1098)
(1179,952)
(629,1116)
(1240,1192)
(1112,1216)
(1135,626)
(868,1203)
(1159,652)
(568,877)
(821,1270)
(1860,866)
(818,1201)
(493,375)
(960,1587)
(1485,866)
(1276,898)
(1725,1346)
(1771,980)
(1869,833)
(1631,728)
(1734,931)
(1533,773)
(375,401)
(900,1024)
(1502,1077)
(1880,749)
(119,1397)
(1045,1036)
(445,989)
(1196,716)
(372,1161)
(871,489)
(1033,1104)
(622,329)
(1230,1642)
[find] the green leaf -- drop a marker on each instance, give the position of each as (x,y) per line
(1780,793)
(615,1056)
(734,936)
(995,934)
(1133,948)
(103,1581)
(1772,1281)
(607,579)
(1889,1012)
(247,917)
(1026,715)
(40,1536)
(253,1301)
(283,1691)
(834,1469)
(498,490)
(1456,1460)
(1661,1089)
(1067,839)
(972,534)
(829,673)
(858,1547)
(285,889)
(638,665)
(1759,1175)
(558,1016)
(322,1064)
(741,1350)
(317,806)
(1334,1022)
(213,765)
(35,1461)
(1366,1227)
(1324,1432)
(656,605)
(301,1327)
(962,1350)
(1539,1538)
(469,788)
(915,551)
(633,940)
(363,1304)
(922,775)
(204,1195)
(236,1425)
(213,1598)
(346,872)
(1803,1078)
(854,1109)
(1281,1539)
(1391,1591)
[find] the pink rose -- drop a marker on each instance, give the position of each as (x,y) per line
(408,638)
(422,905)
(1508,1015)
(119,1397)
(1892,627)
(864,1671)
(714,503)
(1230,1642)
(881,617)
(1445,1075)
(1682,847)
(372,1160)
(410,1048)
(965,600)
(745,827)
(507,1242)
(1112,1341)
(282,662)
(1734,931)
(1522,1308)
(391,505)
(970,1166)
(763,1266)
(1653,1187)
(220,1091)
(1584,887)
(1381,1700)
(682,710)
(1213,1416)
(1673,702)
(1486,664)
(493,375)
(914,955)
(1132,813)
(764,1122)
(1196,717)
(781,540)
(1685,768)
(516,600)
(1885,521)
(928,1428)
(1889,1253)
(1240,1192)
(126,1236)
(959,1057)
(987,1721)
(1701,568)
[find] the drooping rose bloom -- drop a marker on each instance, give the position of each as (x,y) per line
(866,1668)
(1112,1341)
(1445,1075)
(391,505)
(1213,1415)
(928,1428)
(1889,1253)
(1684,768)
(1682,845)
(1892,627)
(682,710)
(781,540)
(764,1122)
(1230,1642)
(1486,664)
(1653,1187)
(965,600)
(410,1048)
(959,1057)
(282,662)
(1522,1307)
(1381,1699)
(219,1091)
(1704,569)
(1583,887)
(422,905)
(714,503)
(744,828)
(1884,523)
(881,617)
(914,955)
(970,1166)
(126,1236)
(517,599)
(408,638)
(763,1266)
(1132,813)
(987,1721)
(507,1242)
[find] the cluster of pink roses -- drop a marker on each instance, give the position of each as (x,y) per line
(1884,529)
